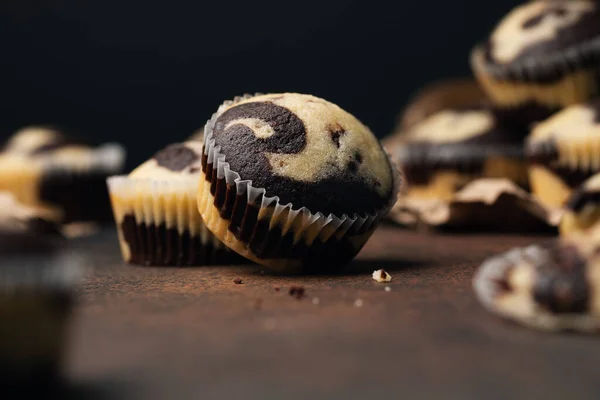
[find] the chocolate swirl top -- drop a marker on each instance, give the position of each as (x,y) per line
(307,151)
(176,161)
(455,136)
(540,28)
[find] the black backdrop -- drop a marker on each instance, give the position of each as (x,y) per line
(147,73)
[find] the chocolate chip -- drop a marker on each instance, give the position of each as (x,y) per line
(297,292)
(238,281)
(336,132)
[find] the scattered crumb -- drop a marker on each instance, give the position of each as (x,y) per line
(297,292)
(277,289)
(388,289)
(270,324)
(315,301)
(238,281)
(258,304)
(358,303)
(381,276)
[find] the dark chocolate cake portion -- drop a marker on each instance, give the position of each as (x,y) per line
(306,151)
(545,40)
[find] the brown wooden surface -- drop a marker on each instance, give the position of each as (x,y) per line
(174,333)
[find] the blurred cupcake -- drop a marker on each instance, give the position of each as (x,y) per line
(548,287)
(37,278)
(156,214)
(563,152)
(451,148)
(456,94)
(543,56)
(582,208)
(292,181)
(44,167)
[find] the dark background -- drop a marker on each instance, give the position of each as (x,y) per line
(147,73)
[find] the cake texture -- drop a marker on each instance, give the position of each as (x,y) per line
(37,277)
(292,181)
(551,286)
(156,213)
(44,167)
(563,152)
(543,56)
(451,148)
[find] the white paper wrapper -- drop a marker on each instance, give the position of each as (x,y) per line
(305,225)
(484,204)
(156,203)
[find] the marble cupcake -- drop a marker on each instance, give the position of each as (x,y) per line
(563,152)
(543,56)
(44,167)
(550,287)
(156,214)
(37,278)
(451,148)
(292,181)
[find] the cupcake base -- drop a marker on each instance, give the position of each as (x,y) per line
(158,224)
(256,234)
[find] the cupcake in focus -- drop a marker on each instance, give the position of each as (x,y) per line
(563,152)
(156,213)
(293,182)
(37,279)
(451,148)
(44,167)
(543,56)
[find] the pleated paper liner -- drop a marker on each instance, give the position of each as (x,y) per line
(559,166)
(520,99)
(74,190)
(36,301)
(282,237)
(158,224)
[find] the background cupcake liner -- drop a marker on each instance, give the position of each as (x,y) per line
(285,235)
(167,209)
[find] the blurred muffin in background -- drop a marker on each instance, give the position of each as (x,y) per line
(45,167)
(563,152)
(457,94)
(543,56)
(37,278)
(451,148)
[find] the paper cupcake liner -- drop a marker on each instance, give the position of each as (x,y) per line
(158,223)
(262,229)
(519,99)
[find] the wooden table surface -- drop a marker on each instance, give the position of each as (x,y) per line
(176,333)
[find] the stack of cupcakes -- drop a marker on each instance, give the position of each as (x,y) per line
(539,71)
(271,183)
